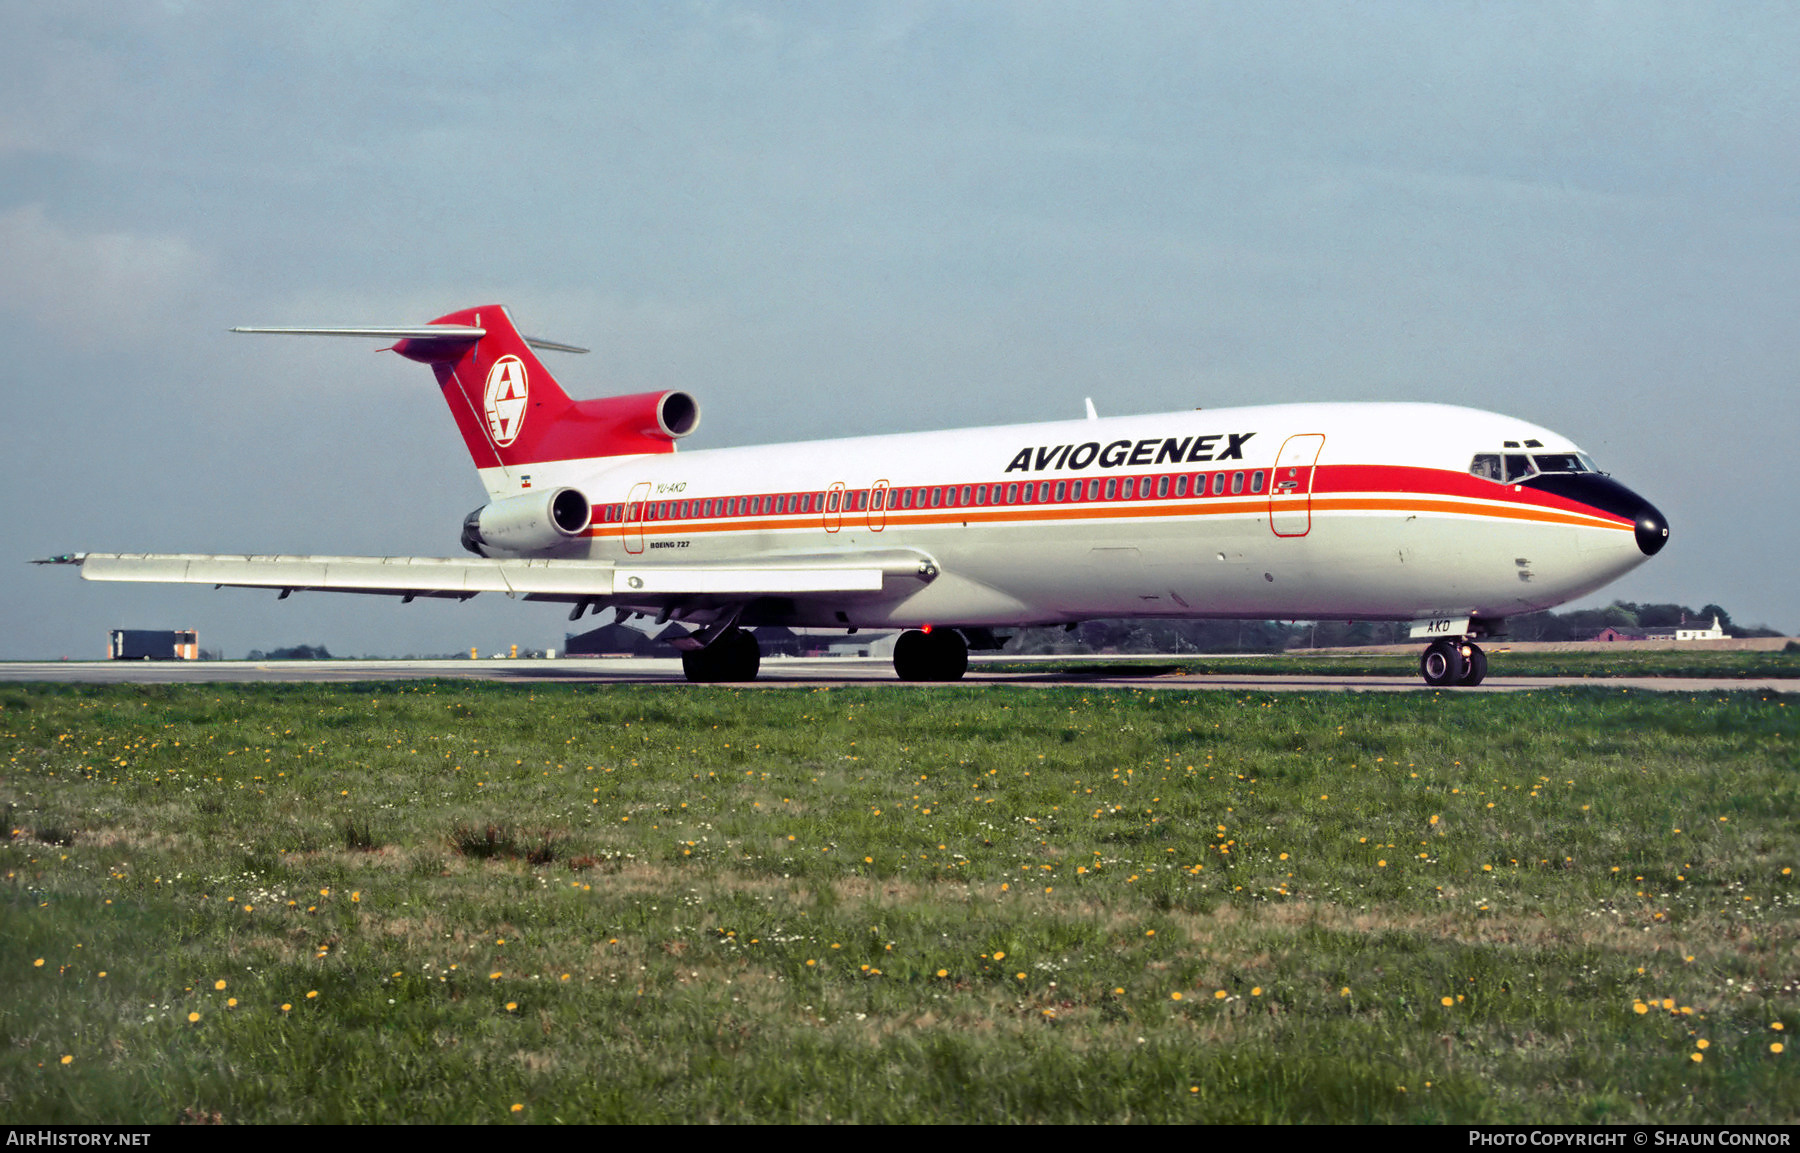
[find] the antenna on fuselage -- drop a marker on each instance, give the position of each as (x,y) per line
(1092,415)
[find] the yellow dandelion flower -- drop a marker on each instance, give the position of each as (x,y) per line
(511,1005)
(1703,1043)
(1777,1026)
(1220,995)
(1118,990)
(1174,996)
(1446,1002)
(38,964)
(312,994)
(219,984)
(231,1002)
(1256,992)
(999,956)
(1344,992)
(517,1108)
(1775,1047)
(494,976)
(68,1057)
(286,1007)
(943,972)
(355,895)
(1639,1008)
(192,1017)
(1020,976)
(1696,1058)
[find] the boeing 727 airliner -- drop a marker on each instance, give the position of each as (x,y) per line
(1448,518)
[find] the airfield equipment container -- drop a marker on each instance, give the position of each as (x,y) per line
(153,645)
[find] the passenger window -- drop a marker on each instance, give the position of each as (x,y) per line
(1237,483)
(1256,480)
(1162,486)
(1181,485)
(937,498)
(1112,487)
(1012,494)
(1062,489)
(1218,484)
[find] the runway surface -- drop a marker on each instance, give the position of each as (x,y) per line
(796,672)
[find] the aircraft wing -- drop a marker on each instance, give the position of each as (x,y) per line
(532,579)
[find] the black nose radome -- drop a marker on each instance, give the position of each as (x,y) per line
(1652,530)
(1603,492)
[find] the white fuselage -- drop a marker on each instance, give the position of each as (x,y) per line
(1334,511)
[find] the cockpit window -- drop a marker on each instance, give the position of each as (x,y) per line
(1562,462)
(1518,466)
(1486,465)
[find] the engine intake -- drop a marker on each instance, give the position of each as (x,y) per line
(532,522)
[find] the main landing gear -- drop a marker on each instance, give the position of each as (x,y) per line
(1449,663)
(735,656)
(938,655)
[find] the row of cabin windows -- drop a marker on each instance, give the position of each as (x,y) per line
(1113,488)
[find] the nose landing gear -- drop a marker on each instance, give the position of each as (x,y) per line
(1448,663)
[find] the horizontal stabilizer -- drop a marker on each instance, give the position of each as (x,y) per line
(410,332)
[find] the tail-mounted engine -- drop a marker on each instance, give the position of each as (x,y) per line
(533,522)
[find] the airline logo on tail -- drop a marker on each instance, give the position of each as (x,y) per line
(504,400)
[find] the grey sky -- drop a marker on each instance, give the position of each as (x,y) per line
(835,219)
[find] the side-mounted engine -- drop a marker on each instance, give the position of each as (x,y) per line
(532,522)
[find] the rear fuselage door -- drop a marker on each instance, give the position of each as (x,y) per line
(1290,493)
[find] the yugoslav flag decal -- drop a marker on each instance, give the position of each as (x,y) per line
(504,400)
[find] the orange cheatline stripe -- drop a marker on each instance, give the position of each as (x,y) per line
(1120,510)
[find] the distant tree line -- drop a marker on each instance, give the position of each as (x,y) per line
(1582,624)
(295,653)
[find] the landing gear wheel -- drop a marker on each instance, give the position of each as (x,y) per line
(1477,670)
(939,655)
(1443,665)
(735,656)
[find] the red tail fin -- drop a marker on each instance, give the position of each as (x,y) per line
(512,412)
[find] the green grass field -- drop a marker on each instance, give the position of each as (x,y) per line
(461,902)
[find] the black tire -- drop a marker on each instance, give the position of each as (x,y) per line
(745,653)
(912,656)
(1443,666)
(940,655)
(701,666)
(735,656)
(1476,672)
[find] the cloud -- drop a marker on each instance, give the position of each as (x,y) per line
(98,285)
